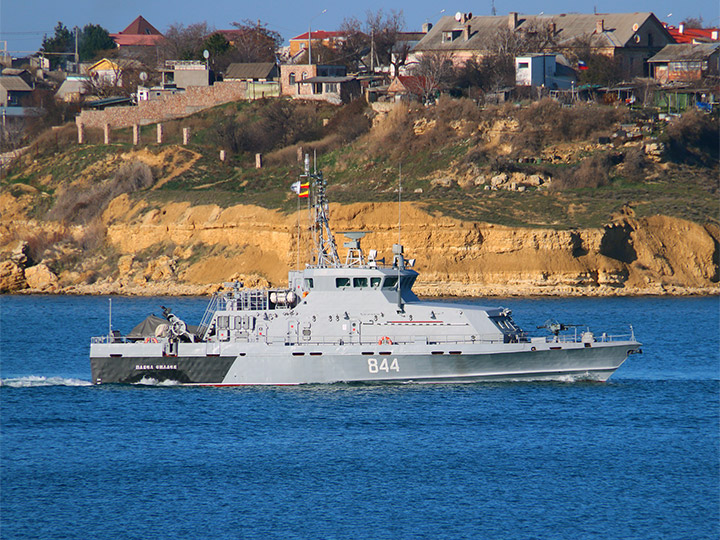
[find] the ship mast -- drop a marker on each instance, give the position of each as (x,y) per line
(325,248)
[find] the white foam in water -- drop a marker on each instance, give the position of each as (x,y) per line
(35,380)
(148,381)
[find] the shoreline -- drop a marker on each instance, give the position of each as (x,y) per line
(453,290)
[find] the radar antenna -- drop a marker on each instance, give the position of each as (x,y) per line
(325,247)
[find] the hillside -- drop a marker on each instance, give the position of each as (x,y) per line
(537,199)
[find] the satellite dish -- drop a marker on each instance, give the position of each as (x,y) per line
(469,15)
(458,16)
(143,76)
(635,27)
(206,54)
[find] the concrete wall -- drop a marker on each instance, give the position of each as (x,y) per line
(194,99)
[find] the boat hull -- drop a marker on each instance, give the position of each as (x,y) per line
(263,365)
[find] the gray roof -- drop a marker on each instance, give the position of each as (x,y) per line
(14,84)
(259,70)
(619,29)
(72,85)
(685,52)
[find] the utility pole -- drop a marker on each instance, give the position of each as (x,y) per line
(77,56)
(310,36)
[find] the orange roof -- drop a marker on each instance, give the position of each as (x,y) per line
(682,34)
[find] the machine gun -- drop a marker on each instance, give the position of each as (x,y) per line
(178,328)
(556,327)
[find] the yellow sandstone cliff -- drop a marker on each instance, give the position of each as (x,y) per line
(194,248)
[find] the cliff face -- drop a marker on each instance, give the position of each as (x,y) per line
(181,248)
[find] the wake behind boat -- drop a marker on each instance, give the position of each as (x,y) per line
(351,321)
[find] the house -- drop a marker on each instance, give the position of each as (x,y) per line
(252,72)
(24,74)
(331,40)
(73,88)
(686,62)
(631,37)
(404,87)
(319,82)
(139,33)
(112,72)
(683,34)
(186,73)
(12,91)
(544,70)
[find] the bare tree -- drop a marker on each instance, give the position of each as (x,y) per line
(121,82)
(433,74)
(185,42)
(254,42)
(11,134)
(376,36)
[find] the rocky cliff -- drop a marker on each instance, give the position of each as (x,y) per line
(183,249)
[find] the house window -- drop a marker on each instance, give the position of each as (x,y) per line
(292,78)
(523,65)
(650,40)
(317,88)
(331,88)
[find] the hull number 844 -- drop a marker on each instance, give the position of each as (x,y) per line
(383,365)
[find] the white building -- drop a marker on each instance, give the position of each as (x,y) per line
(547,70)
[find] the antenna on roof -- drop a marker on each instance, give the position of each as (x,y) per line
(493,11)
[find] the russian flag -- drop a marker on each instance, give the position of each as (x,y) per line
(582,65)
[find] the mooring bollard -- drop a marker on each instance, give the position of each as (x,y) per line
(222,155)
(81,133)
(136,134)
(258,161)
(159,133)
(186,136)
(106,133)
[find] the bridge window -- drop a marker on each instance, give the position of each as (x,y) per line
(375,282)
(360,282)
(390,282)
(309,283)
(341,282)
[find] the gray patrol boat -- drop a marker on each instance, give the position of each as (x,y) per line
(351,321)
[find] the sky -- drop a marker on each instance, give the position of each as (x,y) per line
(24,22)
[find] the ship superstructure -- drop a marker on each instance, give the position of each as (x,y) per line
(356,320)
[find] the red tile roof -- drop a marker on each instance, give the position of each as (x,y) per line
(682,34)
(319,34)
(141,26)
(138,32)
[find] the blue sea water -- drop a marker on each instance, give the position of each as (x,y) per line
(636,457)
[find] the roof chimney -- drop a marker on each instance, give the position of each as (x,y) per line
(553,28)
(467,32)
(600,26)
(512,20)
(681,28)
(426,27)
